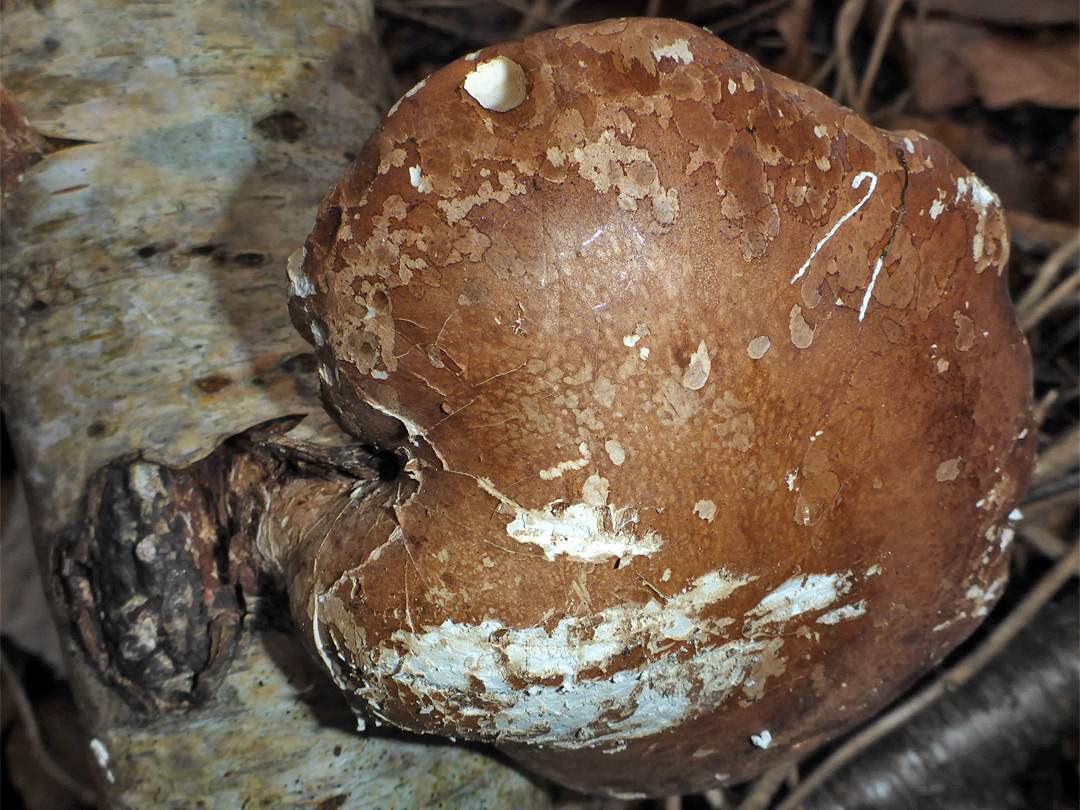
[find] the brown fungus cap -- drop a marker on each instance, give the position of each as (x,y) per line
(714,404)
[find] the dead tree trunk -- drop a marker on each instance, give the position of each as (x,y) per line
(144,325)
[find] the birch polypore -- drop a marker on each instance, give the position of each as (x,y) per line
(661,348)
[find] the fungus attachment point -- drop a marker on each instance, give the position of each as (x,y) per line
(662,364)
(498,84)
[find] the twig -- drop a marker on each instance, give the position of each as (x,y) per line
(1046,276)
(427,5)
(1043,406)
(562,7)
(717,799)
(430,20)
(960,674)
(1059,458)
(918,51)
(822,73)
(1063,290)
(1042,540)
(531,14)
(877,53)
(846,21)
(765,787)
(751,14)
(1052,489)
(13,684)
(1035,234)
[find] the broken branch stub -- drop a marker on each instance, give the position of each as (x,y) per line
(712,404)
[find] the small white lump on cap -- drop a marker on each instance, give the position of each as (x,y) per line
(498,84)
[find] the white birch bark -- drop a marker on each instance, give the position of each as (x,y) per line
(144,309)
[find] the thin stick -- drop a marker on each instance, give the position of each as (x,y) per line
(822,73)
(534,15)
(1047,275)
(877,54)
(430,20)
(563,6)
(765,787)
(1043,406)
(1063,290)
(1058,458)
(961,673)
(846,21)
(33,733)
(1042,540)
(919,51)
(751,14)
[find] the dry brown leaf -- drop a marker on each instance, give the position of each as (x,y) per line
(940,78)
(1008,70)
(1010,12)
(964,61)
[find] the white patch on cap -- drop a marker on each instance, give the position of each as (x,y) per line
(299,284)
(982,199)
(697,373)
(417,179)
(706,510)
(416,88)
(679,50)
(615,452)
(983,599)
(565,466)
(948,470)
(595,490)
(497,85)
(762,740)
(758,346)
(802,336)
(797,596)
(584,531)
(443,664)
(845,613)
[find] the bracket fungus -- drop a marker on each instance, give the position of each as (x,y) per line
(710,402)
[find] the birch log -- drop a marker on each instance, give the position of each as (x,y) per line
(144,323)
